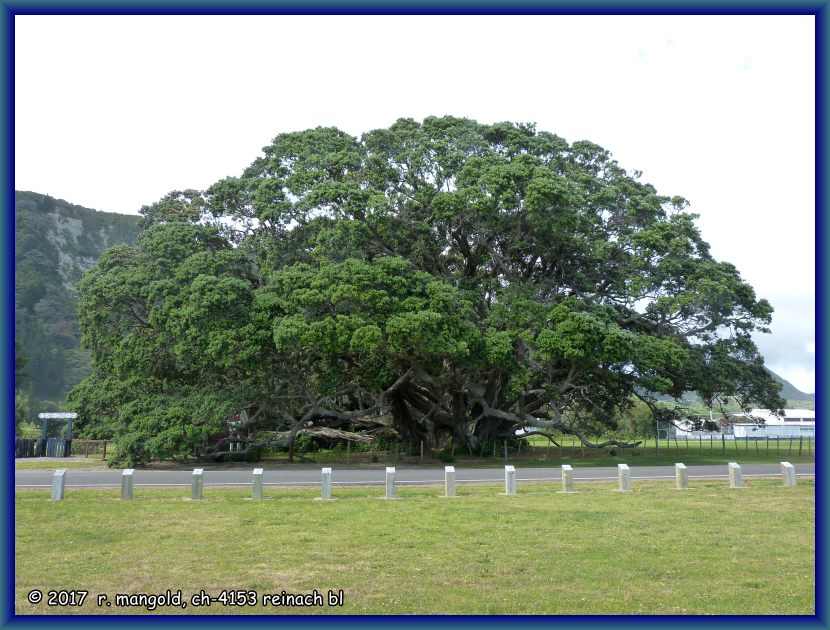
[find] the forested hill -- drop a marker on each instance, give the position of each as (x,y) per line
(793,395)
(55,242)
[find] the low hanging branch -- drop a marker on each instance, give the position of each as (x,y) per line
(547,435)
(525,420)
(337,434)
(312,413)
(282,439)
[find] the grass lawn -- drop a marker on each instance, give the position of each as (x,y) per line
(691,452)
(540,455)
(536,453)
(36,463)
(709,550)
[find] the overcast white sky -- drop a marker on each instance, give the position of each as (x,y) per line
(112,112)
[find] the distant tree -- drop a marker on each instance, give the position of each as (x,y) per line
(20,375)
(20,361)
(445,279)
(638,419)
(21,406)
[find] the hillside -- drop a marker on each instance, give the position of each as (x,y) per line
(55,242)
(795,397)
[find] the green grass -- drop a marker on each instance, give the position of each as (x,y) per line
(35,463)
(668,453)
(539,454)
(709,550)
(535,454)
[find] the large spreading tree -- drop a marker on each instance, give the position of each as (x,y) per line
(433,281)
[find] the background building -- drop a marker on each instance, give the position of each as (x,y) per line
(794,423)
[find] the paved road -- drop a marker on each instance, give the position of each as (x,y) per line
(376,476)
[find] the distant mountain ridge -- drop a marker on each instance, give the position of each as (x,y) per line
(790,391)
(54,243)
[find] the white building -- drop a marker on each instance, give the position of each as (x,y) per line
(794,423)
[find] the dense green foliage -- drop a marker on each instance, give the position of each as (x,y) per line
(439,280)
(55,242)
(20,376)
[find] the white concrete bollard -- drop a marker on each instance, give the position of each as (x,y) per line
(127,483)
(681,476)
(735,479)
(58,483)
(625,477)
(390,482)
(196,489)
(449,481)
(567,478)
(325,486)
(509,480)
(256,492)
(788,474)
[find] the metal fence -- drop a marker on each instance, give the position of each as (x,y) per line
(728,443)
(39,447)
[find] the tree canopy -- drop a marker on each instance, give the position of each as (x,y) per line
(436,280)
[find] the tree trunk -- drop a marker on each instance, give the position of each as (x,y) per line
(404,424)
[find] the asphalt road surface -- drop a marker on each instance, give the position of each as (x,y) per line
(376,476)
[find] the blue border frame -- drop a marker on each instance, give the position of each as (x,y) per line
(822,171)
(438,7)
(8,9)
